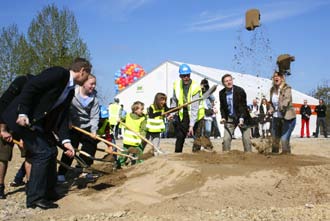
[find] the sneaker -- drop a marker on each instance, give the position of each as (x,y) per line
(61,179)
(16,184)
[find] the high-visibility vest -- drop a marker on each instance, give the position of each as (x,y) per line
(156,125)
(130,138)
(193,90)
(114,113)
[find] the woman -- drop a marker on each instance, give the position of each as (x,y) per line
(84,113)
(264,118)
(284,116)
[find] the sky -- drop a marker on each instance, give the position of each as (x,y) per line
(203,32)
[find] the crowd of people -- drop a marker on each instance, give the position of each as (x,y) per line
(40,114)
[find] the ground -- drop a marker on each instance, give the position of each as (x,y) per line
(195,186)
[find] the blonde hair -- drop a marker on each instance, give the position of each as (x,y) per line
(136,106)
(158,97)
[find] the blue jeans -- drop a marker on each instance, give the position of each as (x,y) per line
(208,128)
(281,131)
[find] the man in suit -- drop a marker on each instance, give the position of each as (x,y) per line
(234,112)
(39,111)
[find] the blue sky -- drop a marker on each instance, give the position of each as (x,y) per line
(148,32)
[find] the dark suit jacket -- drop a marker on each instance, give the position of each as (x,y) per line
(37,100)
(240,105)
(12,91)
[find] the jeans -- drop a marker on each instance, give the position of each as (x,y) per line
(20,174)
(281,132)
(208,128)
(319,121)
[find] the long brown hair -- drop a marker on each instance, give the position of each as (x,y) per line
(158,97)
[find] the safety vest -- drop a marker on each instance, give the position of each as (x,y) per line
(114,113)
(130,138)
(193,90)
(156,125)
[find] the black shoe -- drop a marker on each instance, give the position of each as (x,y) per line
(43,204)
(53,196)
(17,184)
(2,192)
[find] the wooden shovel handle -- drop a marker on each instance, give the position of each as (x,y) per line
(97,137)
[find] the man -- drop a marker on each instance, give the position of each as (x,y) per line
(6,147)
(306,112)
(321,111)
(39,111)
(190,117)
(234,112)
(114,116)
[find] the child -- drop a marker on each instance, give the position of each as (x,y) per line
(137,122)
(155,121)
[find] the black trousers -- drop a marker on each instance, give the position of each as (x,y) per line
(41,153)
(88,145)
(181,128)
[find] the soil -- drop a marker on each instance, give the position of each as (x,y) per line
(207,185)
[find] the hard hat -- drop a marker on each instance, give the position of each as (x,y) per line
(184,69)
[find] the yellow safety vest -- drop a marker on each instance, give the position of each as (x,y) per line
(130,138)
(193,90)
(156,125)
(114,113)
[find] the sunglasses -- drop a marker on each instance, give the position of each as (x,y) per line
(185,75)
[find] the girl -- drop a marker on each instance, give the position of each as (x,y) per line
(84,113)
(155,121)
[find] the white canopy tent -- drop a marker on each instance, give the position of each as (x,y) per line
(161,79)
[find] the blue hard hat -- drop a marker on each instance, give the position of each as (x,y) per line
(104,113)
(184,69)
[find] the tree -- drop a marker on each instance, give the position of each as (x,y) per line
(54,39)
(10,55)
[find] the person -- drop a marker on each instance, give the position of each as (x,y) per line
(208,119)
(84,113)
(264,118)
(306,112)
(6,138)
(114,116)
(155,120)
(215,128)
(122,116)
(189,120)
(234,112)
(321,111)
(36,121)
(137,121)
(284,115)
(254,113)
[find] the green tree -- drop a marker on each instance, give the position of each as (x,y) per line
(54,39)
(10,55)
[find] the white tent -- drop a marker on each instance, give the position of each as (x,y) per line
(161,79)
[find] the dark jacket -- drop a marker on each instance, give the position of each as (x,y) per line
(12,91)
(37,99)
(321,110)
(240,105)
(305,112)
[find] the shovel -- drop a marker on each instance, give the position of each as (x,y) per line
(105,141)
(205,95)
(142,138)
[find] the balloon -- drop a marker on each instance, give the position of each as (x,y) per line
(127,75)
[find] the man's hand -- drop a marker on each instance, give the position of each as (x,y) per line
(70,150)
(23,121)
(191,131)
(222,121)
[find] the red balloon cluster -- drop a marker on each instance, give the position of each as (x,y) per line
(127,75)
